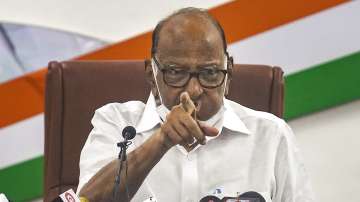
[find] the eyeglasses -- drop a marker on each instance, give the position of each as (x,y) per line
(208,77)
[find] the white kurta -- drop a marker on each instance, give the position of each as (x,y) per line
(255,151)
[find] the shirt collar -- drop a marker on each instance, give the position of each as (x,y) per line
(232,121)
(150,118)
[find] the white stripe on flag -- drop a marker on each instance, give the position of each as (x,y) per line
(303,43)
(22,141)
(115,20)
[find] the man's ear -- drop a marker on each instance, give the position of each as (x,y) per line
(230,73)
(150,78)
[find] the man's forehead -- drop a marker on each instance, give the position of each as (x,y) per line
(188,62)
(190,36)
(193,64)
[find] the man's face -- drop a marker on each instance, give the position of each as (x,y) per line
(191,43)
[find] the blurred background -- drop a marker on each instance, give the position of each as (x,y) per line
(317,44)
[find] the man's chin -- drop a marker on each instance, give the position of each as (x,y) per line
(202,116)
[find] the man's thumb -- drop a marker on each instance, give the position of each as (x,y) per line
(208,130)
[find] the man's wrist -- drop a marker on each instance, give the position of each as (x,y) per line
(161,139)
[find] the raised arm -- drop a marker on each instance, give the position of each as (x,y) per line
(179,128)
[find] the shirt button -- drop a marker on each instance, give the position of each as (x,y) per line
(190,157)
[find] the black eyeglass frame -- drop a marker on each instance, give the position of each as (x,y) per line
(191,74)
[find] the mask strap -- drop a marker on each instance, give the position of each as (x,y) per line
(155,72)
(226,76)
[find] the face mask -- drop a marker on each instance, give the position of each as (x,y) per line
(163,111)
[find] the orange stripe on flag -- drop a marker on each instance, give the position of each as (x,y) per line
(23,97)
(135,48)
(241,19)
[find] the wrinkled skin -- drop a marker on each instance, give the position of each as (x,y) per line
(190,42)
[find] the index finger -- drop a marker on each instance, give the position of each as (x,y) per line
(186,102)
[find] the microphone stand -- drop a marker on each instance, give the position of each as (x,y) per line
(121,157)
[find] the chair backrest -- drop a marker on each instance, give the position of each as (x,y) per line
(74,89)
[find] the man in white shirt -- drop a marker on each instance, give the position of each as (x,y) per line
(191,141)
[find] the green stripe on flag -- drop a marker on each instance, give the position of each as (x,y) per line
(322,86)
(311,90)
(24,181)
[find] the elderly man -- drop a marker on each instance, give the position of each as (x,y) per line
(191,141)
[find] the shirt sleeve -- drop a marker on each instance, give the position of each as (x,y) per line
(100,147)
(292,181)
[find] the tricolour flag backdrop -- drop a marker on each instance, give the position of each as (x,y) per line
(317,43)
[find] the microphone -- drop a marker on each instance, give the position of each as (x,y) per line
(210,198)
(69,196)
(129,132)
(249,196)
(252,196)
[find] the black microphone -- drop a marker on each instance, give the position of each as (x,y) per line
(210,198)
(252,195)
(129,132)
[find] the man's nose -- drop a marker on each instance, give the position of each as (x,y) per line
(194,88)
